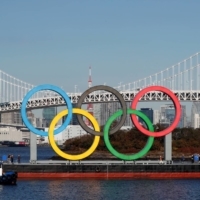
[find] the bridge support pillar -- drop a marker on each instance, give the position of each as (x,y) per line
(168,147)
(33,148)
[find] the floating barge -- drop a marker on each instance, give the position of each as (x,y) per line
(103,170)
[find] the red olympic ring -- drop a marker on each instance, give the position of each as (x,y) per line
(177,110)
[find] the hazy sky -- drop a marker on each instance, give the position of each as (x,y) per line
(55,41)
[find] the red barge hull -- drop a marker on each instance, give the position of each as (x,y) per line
(143,175)
(119,171)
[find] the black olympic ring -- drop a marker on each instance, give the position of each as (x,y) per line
(121,101)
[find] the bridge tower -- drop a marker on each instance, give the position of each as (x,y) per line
(89,106)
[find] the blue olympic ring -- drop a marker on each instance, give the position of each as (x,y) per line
(37,89)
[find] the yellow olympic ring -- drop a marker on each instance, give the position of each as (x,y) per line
(68,156)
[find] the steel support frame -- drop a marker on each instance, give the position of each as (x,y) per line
(168,148)
(33,148)
(167,153)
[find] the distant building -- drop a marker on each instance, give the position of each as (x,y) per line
(97,112)
(36,122)
(183,120)
(128,121)
(196,122)
(39,122)
(168,114)
(71,131)
(13,134)
(195,112)
(106,110)
(31,118)
(48,114)
(164,123)
(156,116)
(11,118)
(74,120)
(148,112)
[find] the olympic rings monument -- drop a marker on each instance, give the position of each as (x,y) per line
(106,132)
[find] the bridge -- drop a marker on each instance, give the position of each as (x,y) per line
(128,96)
(183,79)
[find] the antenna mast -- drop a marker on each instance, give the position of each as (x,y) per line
(89,106)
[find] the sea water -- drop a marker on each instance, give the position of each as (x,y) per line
(94,189)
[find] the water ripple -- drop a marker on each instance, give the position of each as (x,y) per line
(170,189)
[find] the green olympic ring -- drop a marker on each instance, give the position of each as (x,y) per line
(133,156)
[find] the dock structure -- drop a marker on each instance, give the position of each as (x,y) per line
(100,169)
(105,168)
(167,153)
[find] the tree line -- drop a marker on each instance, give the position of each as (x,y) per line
(184,140)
